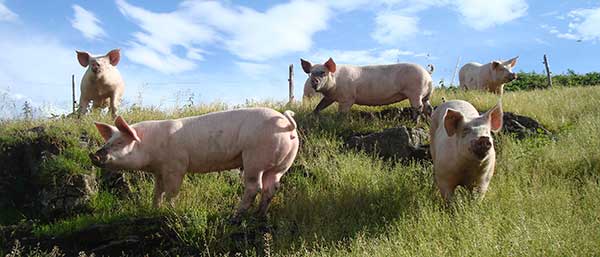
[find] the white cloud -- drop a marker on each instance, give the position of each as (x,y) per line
(6,14)
(584,25)
(162,33)
(258,36)
(482,15)
(364,57)
(392,28)
(246,33)
(87,23)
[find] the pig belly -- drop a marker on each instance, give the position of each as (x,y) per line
(215,162)
(375,101)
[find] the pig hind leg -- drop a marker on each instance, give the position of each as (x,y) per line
(416,103)
(252,184)
(271,179)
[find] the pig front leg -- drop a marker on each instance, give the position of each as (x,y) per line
(324,103)
(167,184)
(113,106)
(344,107)
(159,191)
(83,105)
(446,186)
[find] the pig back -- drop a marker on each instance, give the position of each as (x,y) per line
(217,140)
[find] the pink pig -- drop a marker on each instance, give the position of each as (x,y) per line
(462,147)
(261,141)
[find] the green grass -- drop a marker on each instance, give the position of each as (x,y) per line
(544,199)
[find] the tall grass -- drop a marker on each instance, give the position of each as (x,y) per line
(544,199)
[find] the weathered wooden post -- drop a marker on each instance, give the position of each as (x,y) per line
(291,83)
(548,73)
(454,73)
(73,91)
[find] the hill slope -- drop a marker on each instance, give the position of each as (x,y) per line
(543,200)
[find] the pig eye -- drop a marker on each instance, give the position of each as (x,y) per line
(318,73)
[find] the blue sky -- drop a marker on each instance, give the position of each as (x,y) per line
(231,51)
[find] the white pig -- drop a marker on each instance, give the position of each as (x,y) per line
(101,83)
(261,141)
(462,146)
(370,85)
(490,77)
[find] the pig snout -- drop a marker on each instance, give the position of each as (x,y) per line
(99,158)
(314,82)
(512,76)
(481,146)
(95,67)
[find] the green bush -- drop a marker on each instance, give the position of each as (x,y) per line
(533,80)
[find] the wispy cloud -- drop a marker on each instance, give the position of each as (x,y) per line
(482,15)
(6,14)
(161,33)
(87,23)
(393,28)
(247,33)
(584,25)
(365,57)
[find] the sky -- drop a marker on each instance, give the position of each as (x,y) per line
(235,51)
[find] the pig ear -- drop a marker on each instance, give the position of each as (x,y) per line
(306,66)
(114,56)
(126,129)
(512,62)
(83,58)
(106,131)
(330,64)
(495,117)
(496,64)
(452,119)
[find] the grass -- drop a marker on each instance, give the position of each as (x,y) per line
(544,199)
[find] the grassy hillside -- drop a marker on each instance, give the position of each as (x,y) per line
(543,201)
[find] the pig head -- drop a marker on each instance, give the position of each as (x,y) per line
(462,146)
(101,83)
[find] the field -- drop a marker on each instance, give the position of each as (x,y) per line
(544,199)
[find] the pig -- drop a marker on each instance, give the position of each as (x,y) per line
(489,77)
(260,141)
(101,83)
(462,146)
(370,85)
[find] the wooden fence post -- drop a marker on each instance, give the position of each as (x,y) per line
(291,83)
(548,73)
(455,69)
(73,91)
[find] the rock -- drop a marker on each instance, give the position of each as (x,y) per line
(70,196)
(391,113)
(36,182)
(522,126)
(393,143)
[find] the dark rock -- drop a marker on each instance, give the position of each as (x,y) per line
(522,126)
(148,236)
(393,143)
(34,191)
(71,195)
(391,113)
